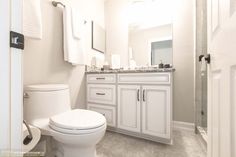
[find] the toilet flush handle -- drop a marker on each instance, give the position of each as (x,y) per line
(26,95)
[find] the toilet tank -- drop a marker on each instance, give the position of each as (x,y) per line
(45,100)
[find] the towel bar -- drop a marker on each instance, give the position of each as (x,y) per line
(54,3)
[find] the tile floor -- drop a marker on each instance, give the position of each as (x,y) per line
(186,144)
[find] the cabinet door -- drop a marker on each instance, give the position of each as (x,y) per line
(156,111)
(129,107)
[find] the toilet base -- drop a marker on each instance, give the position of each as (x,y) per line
(82,145)
(69,151)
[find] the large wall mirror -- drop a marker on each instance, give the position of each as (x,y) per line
(140,31)
(151,46)
(150,32)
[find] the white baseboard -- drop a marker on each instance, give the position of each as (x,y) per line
(177,125)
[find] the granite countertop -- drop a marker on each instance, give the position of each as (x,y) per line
(151,70)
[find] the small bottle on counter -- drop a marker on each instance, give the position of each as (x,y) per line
(161,65)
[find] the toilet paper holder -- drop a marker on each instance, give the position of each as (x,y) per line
(29,137)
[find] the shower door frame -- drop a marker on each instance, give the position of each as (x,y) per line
(11,93)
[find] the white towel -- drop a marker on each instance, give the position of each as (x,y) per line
(73,47)
(32,19)
(78,24)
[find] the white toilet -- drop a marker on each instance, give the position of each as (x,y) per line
(76,131)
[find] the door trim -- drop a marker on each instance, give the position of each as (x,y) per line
(5,75)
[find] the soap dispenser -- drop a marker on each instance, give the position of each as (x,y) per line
(161,65)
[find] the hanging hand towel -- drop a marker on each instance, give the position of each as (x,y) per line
(32,19)
(73,47)
(78,24)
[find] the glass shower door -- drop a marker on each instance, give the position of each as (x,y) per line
(200,73)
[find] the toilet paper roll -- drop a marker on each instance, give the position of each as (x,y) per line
(36,137)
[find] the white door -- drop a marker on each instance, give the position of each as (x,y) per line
(10,77)
(156,114)
(222,78)
(129,107)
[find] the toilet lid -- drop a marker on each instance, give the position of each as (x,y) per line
(78,120)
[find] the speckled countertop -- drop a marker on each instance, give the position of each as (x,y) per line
(150,70)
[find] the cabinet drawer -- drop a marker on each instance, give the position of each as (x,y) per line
(105,94)
(108,111)
(146,78)
(101,78)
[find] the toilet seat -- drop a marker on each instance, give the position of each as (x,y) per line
(77,122)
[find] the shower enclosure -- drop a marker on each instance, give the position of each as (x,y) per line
(201,76)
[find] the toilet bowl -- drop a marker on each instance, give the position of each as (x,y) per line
(76,131)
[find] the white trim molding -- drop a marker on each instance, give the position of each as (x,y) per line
(178,125)
(5,76)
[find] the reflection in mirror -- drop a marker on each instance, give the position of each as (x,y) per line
(142,43)
(161,52)
(150,32)
(232,6)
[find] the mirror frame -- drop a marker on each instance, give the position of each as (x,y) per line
(95,37)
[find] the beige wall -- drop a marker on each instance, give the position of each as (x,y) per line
(183,60)
(183,51)
(43,59)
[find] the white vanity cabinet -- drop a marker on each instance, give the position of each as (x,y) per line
(136,104)
(144,103)
(152,102)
